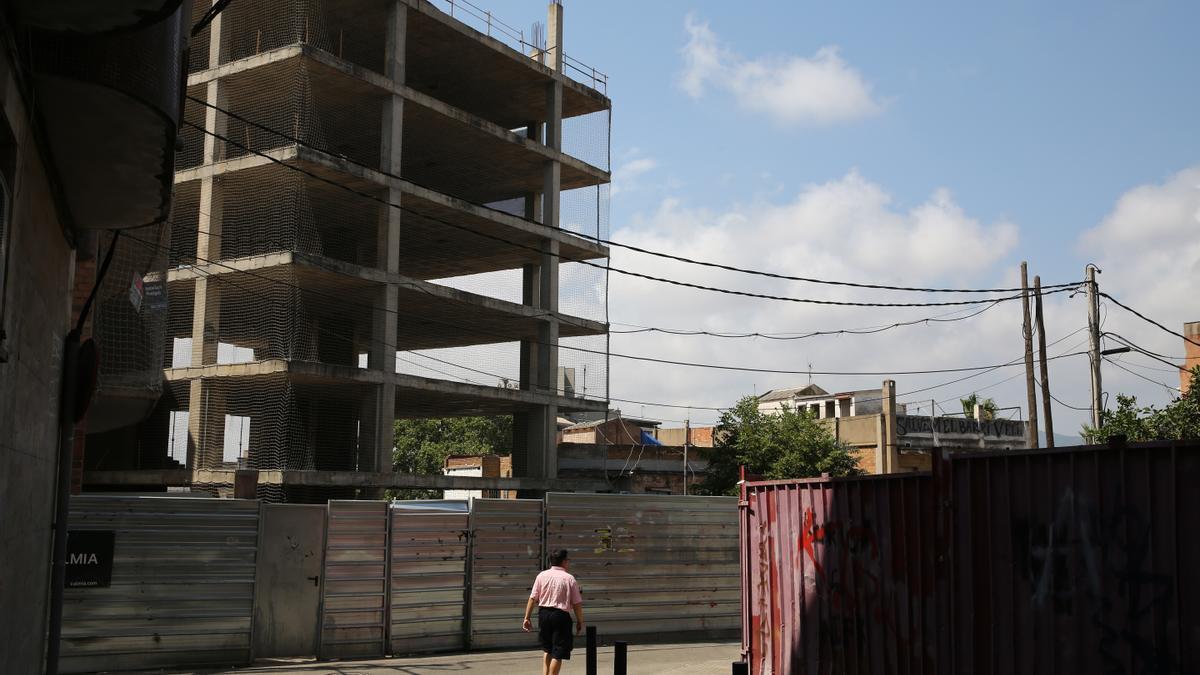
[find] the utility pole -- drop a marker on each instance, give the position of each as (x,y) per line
(1030,391)
(933,422)
(1093,300)
(687,437)
(1045,370)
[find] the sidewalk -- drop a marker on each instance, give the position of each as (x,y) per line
(671,659)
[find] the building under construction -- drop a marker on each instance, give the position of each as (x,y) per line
(383,209)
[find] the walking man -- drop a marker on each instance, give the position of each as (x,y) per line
(555,593)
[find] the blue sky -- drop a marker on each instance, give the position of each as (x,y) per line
(981,135)
(1038,112)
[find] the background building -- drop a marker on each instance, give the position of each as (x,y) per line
(1192,331)
(484,466)
(380,212)
(615,431)
(885,439)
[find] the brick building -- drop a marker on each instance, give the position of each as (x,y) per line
(1191,330)
(483,466)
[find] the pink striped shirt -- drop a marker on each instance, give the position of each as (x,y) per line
(556,587)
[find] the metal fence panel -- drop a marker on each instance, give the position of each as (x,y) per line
(839,576)
(182,590)
(428,580)
(1041,561)
(506,556)
(355,587)
(651,565)
(1076,561)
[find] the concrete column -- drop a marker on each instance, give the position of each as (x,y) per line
(880,445)
(206,305)
(382,353)
(535,432)
(554,37)
(891,452)
(545,421)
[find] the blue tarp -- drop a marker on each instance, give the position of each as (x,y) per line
(647,439)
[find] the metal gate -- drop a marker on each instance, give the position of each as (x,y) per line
(182,588)
(287,599)
(506,555)
(429,546)
(355,583)
(652,565)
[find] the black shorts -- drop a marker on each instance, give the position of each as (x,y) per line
(554,632)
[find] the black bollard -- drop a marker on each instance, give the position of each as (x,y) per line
(619,649)
(741,668)
(590,662)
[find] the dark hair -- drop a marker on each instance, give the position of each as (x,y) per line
(557,558)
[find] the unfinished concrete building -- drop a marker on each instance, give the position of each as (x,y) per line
(382,210)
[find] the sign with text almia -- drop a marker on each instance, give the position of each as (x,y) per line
(89,558)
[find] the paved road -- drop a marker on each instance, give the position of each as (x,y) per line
(675,659)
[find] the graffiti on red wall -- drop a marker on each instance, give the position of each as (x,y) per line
(1115,587)
(862,588)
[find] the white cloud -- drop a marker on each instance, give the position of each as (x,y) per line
(1148,247)
(791,90)
(844,229)
(625,176)
(851,229)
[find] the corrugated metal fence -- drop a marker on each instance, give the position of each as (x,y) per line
(651,564)
(355,587)
(429,578)
(506,555)
(1046,561)
(400,579)
(182,588)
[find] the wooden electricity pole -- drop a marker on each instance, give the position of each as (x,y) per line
(1041,331)
(1029,386)
(1093,301)
(687,439)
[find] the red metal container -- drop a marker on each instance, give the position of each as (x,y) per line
(838,577)
(1078,560)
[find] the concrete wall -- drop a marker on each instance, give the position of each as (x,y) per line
(615,431)
(1191,351)
(36,319)
(639,469)
(861,434)
(701,436)
(915,461)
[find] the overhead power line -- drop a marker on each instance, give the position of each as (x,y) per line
(608,268)
(322,328)
(801,336)
(1144,367)
(1014,361)
(1146,352)
(811,280)
(385,344)
(775,371)
(1135,374)
(1054,288)
(941,318)
(1147,319)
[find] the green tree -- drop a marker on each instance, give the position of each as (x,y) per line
(1179,420)
(787,444)
(421,446)
(987,407)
